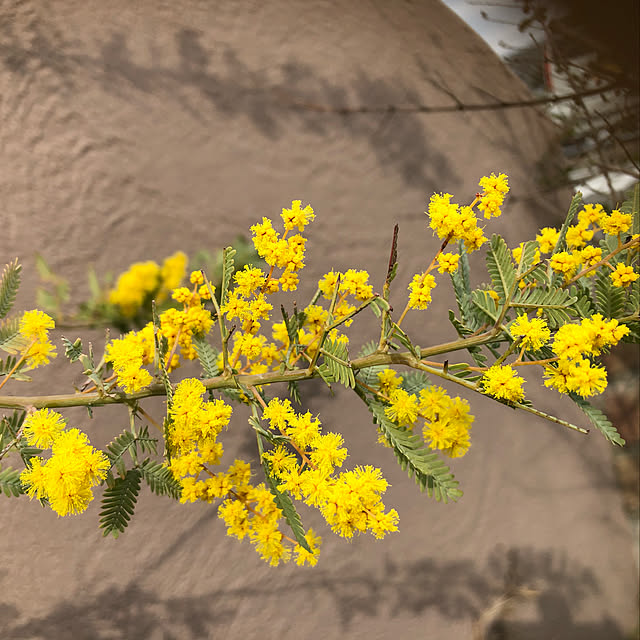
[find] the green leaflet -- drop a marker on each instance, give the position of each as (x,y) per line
(130,442)
(404,339)
(556,303)
(415,381)
(425,467)
(160,479)
(462,288)
(287,507)
(583,306)
(336,365)
(609,300)
(632,205)
(599,420)
(118,503)
(500,267)
(10,483)
(10,339)
(9,285)
(207,355)
(486,305)
(227,273)
(369,376)
(274,438)
(476,352)
(73,350)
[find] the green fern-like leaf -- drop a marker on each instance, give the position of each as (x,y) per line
(561,243)
(294,392)
(10,483)
(207,355)
(285,504)
(129,442)
(11,340)
(584,305)
(486,305)
(415,381)
(273,437)
(336,365)
(609,300)
(599,420)
(73,350)
(160,479)
(118,503)
(476,352)
(404,339)
(369,376)
(555,303)
(9,285)
(500,267)
(461,282)
(227,273)
(425,467)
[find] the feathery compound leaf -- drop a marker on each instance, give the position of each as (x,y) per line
(609,299)
(160,479)
(632,205)
(227,273)
(369,375)
(9,285)
(404,339)
(11,340)
(583,305)
(336,365)
(207,355)
(476,352)
(128,441)
(462,288)
(10,483)
(484,303)
(73,350)
(599,420)
(415,381)
(284,502)
(500,267)
(425,467)
(576,203)
(118,503)
(555,303)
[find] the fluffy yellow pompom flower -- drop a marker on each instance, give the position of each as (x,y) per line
(615,223)
(504,383)
(296,216)
(42,427)
(420,290)
(495,189)
(34,325)
(403,407)
(623,275)
(448,262)
(535,332)
(547,239)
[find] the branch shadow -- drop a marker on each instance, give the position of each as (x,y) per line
(269,100)
(456,589)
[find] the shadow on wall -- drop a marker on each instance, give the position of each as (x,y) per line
(299,97)
(457,590)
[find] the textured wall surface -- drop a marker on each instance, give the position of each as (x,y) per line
(131,129)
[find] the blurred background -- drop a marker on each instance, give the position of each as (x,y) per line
(132,130)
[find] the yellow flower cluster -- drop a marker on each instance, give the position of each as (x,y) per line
(248,511)
(34,328)
(584,256)
(453,222)
(494,188)
(145,280)
(447,419)
(282,252)
(576,345)
(349,501)
(66,478)
(534,332)
(420,290)
(129,354)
